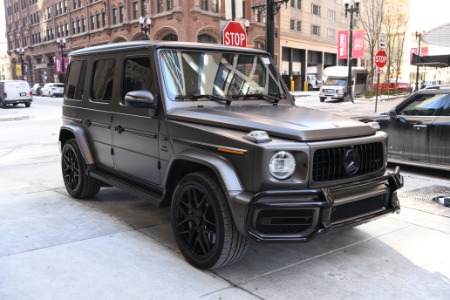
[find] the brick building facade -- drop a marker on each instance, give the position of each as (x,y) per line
(36,25)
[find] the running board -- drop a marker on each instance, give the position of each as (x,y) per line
(137,190)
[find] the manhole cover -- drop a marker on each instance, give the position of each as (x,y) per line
(429,193)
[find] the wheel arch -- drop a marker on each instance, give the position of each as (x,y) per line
(70,131)
(191,161)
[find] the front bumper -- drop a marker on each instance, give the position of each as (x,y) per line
(298,216)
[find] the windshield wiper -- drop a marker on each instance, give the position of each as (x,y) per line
(216,98)
(259,96)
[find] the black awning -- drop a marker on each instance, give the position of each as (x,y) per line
(436,61)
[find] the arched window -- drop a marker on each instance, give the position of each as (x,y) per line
(170,37)
(206,38)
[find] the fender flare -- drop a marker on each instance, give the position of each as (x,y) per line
(81,138)
(223,170)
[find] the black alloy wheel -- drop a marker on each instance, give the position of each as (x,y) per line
(202,223)
(78,184)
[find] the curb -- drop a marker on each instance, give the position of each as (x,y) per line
(14,118)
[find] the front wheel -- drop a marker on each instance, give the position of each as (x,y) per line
(78,183)
(202,223)
(322,99)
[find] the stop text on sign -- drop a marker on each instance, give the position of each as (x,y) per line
(235,39)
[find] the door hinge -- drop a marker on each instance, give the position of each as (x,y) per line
(159,165)
(112,151)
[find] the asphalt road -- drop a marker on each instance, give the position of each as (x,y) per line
(116,246)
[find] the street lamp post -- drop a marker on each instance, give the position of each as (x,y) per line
(271,8)
(145,26)
(61,44)
(419,36)
(354,8)
(21,52)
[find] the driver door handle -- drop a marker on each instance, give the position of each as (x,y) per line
(419,126)
(119,129)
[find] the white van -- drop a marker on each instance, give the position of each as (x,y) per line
(335,82)
(15,92)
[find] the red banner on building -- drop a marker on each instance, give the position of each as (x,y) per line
(58,64)
(342,44)
(358,44)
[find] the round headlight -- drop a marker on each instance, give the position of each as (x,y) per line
(282,165)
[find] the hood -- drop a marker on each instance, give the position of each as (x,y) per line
(285,121)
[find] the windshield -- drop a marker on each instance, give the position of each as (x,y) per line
(336,81)
(204,76)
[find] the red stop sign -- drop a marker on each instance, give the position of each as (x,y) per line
(234,34)
(380,58)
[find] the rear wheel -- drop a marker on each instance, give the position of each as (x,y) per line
(78,183)
(2,103)
(322,99)
(203,225)
(27,104)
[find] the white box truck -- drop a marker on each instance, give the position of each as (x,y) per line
(335,82)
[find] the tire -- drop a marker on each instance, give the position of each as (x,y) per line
(322,99)
(202,223)
(310,88)
(2,104)
(27,104)
(78,184)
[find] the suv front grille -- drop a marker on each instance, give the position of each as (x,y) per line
(336,163)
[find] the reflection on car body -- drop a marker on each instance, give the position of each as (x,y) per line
(419,129)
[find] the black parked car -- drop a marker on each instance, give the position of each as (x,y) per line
(419,129)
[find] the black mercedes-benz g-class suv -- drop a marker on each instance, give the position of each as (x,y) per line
(213,132)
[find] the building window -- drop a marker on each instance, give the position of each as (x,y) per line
(170,37)
(143,8)
(67,29)
(331,34)
(215,6)
(292,3)
(315,9)
(114,15)
(169,4)
(299,26)
(97,20)
(159,7)
(74,4)
(315,30)
(78,26)
(292,24)
(103,19)
(299,4)
(121,13)
(204,4)
(83,24)
(74,27)
(206,38)
(135,10)
(331,15)
(92,22)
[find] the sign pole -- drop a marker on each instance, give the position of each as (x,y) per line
(378,87)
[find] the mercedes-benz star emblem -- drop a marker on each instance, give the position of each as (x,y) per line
(352,161)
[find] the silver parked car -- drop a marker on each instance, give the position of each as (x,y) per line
(53,90)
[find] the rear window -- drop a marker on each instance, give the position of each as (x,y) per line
(103,80)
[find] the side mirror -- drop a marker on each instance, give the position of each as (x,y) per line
(393,115)
(140,99)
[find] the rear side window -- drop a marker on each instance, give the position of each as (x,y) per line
(75,81)
(103,80)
